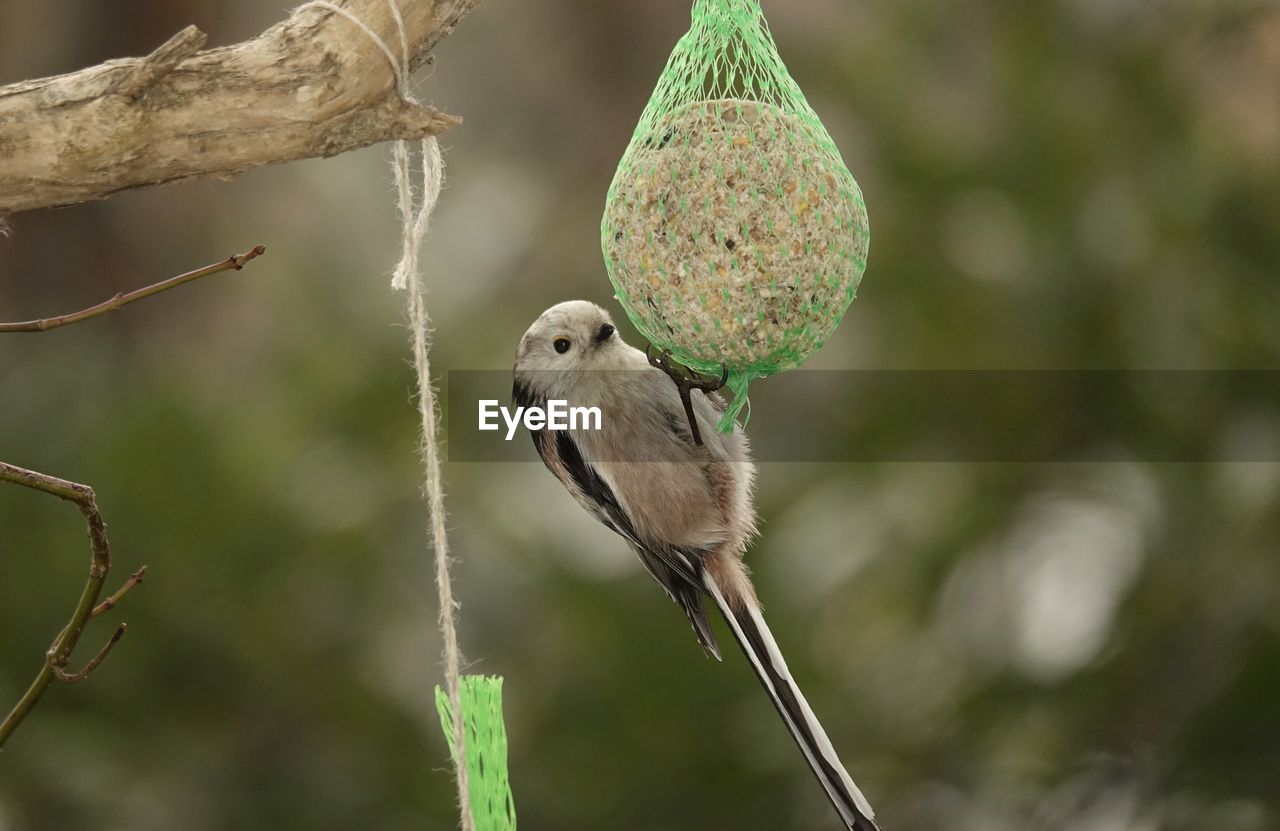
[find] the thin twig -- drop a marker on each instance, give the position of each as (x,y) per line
(45,324)
(76,677)
(59,654)
(110,603)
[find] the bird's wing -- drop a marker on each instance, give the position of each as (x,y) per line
(678,571)
(593,492)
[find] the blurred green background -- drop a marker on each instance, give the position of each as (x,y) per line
(1073,184)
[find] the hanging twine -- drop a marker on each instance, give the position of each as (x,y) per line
(414,222)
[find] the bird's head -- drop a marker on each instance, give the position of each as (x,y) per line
(565,340)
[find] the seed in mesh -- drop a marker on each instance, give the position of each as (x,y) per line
(733,232)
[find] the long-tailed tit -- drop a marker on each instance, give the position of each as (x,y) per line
(685,509)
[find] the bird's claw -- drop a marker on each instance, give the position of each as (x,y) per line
(682,375)
(686,380)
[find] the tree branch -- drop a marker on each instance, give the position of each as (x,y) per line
(59,654)
(312,85)
(45,324)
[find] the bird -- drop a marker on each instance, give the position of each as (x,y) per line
(685,508)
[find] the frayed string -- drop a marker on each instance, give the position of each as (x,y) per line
(414,219)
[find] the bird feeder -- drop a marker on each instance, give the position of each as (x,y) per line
(733,233)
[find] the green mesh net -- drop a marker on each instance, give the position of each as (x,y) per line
(733,232)
(492,805)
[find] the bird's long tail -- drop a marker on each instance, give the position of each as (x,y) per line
(757,642)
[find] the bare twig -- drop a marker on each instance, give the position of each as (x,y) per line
(110,603)
(312,85)
(45,324)
(59,654)
(76,677)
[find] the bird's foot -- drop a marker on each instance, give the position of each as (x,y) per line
(686,380)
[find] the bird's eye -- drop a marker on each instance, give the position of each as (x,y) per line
(606,332)
(561,345)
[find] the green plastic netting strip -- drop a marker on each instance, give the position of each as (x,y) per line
(733,233)
(492,805)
